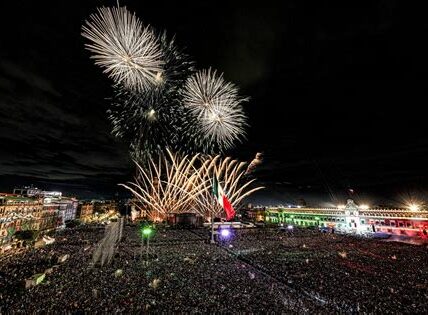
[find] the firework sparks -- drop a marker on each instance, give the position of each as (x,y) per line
(230,173)
(160,102)
(149,122)
(128,52)
(217,108)
(167,186)
(181,184)
(178,65)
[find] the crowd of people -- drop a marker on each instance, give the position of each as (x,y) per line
(345,272)
(255,271)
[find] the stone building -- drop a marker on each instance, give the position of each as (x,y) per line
(22,213)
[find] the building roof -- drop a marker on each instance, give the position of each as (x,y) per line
(14,198)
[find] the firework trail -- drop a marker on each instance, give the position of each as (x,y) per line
(254,163)
(179,184)
(107,246)
(230,174)
(167,185)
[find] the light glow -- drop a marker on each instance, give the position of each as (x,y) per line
(147,231)
(414,207)
(225,233)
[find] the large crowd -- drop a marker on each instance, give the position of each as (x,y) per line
(349,273)
(255,271)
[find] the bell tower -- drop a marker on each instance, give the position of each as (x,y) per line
(352,216)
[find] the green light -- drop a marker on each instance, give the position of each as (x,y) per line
(147,231)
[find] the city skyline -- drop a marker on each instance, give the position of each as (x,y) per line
(209,157)
(323,86)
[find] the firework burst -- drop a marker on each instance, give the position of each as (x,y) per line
(167,185)
(128,52)
(231,174)
(160,101)
(178,184)
(178,65)
(217,110)
(149,122)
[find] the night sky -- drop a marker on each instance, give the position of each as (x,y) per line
(338,95)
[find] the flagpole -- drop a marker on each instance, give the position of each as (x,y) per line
(212,229)
(147,251)
(212,211)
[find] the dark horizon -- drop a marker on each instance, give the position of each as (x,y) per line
(336,96)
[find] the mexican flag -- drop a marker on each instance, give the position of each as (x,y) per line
(222,199)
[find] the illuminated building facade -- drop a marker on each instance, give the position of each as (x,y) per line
(97,210)
(86,211)
(70,209)
(67,208)
(105,206)
(255,214)
(354,219)
(19,213)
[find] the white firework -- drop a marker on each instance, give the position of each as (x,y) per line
(180,184)
(231,175)
(128,52)
(217,107)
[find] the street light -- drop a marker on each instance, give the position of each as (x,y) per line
(225,233)
(146,232)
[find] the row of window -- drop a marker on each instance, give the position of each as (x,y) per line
(282,219)
(392,215)
(33,224)
(393,223)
